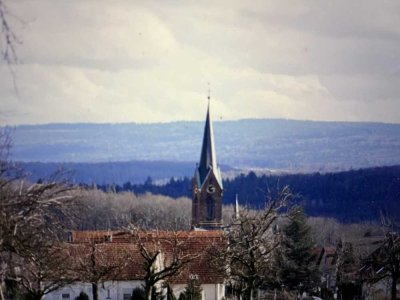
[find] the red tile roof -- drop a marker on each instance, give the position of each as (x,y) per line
(128,236)
(112,247)
(115,261)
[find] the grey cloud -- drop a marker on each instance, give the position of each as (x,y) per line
(148,59)
(364,88)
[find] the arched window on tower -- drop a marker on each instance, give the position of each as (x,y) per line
(210,208)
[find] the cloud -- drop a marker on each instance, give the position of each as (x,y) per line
(133,61)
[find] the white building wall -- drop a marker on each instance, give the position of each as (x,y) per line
(113,290)
(72,291)
(210,291)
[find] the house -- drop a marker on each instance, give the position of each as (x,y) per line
(327,262)
(118,256)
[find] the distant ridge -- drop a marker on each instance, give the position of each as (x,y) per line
(108,173)
(250,143)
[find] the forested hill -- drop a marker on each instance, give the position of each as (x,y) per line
(352,196)
(264,143)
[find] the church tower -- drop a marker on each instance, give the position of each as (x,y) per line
(207,187)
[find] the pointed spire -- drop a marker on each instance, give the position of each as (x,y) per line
(208,159)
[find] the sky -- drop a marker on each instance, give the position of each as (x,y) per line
(152,61)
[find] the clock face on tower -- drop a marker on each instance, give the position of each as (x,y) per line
(211,188)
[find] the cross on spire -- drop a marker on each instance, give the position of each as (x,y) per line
(209,92)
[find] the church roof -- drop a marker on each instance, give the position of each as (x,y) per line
(117,261)
(118,236)
(120,249)
(208,158)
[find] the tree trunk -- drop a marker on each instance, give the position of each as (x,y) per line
(1,291)
(393,289)
(253,294)
(95,291)
(149,290)
(247,294)
(37,296)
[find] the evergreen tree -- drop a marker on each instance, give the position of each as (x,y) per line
(138,294)
(156,295)
(182,296)
(170,293)
(82,296)
(192,291)
(299,269)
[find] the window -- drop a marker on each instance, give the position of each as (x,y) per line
(127,296)
(194,277)
(210,208)
(65,296)
(127,293)
(108,294)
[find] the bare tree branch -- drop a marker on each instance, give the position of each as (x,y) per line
(165,253)
(32,218)
(249,259)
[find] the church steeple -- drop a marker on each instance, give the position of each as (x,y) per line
(207,183)
(208,158)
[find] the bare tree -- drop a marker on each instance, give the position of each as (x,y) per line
(8,36)
(8,40)
(165,253)
(384,262)
(347,277)
(40,270)
(103,211)
(32,216)
(253,242)
(96,261)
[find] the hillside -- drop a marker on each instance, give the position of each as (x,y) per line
(351,196)
(274,144)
